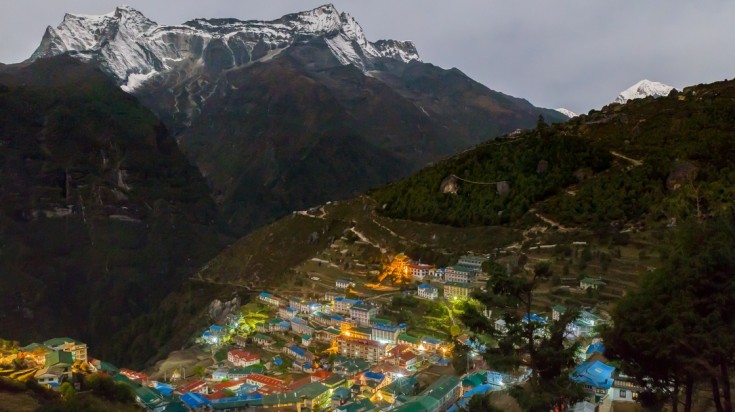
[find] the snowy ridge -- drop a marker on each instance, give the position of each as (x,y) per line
(134,48)
(642,89)
(566,112)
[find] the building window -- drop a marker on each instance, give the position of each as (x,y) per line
(623,393)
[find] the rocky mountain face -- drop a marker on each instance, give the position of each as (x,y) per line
(642,89)
(101,214)
(284,114)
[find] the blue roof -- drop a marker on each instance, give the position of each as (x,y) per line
(236,399)
(194,400)
(374,376)
(383,326)
(432,341)
(265,295)
(290,309)
(299,321)
(337,317)
(164,388)
(297,350)
(595,347)
(595,373)
(284,324)
(216,328)
(534,318)
(348,301)
(277,361)
(425,286)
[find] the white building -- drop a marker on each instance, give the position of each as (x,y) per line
(363,313)
(386,333)
(471,261)
(343,305)
(420,271)
(344,284)
(427,292)
(460,274)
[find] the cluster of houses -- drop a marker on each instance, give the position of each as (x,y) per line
(52,360)
(374,363)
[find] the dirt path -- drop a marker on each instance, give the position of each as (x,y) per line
(635,162)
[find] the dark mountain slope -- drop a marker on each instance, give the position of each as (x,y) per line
(101,215)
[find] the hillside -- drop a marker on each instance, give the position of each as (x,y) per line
(595,196)
(649,161)
(102,215)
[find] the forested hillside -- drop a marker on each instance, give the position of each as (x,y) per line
(648,160)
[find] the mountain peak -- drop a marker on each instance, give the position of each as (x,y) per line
(566,112)
(642,89)
(134,48)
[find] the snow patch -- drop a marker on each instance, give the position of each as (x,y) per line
(135,80)
(566,112)
(642,89)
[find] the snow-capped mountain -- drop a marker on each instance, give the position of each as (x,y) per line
(566,112)
(134,48)
(279,115)
(644,88)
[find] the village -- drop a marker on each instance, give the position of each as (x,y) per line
(347,343)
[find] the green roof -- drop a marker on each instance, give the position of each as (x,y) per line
(124,379)
(334,381)
(559,308)
(257,368)
(60,341)
(367,331)
(474,380)
(59,357)
(593,281)
(441,387)
(363,405)
(419,404)
(406,385)
(262,337)
(275,321)
(312,390)
(149,397)
(407,338)
(33,346)
(108,367)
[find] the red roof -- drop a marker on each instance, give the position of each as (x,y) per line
(299,383)
(396,350)
(216,395)
(133,375)
(320,375)
(265,380)
(407,356)
(243,355)
(216,387)
(194,386)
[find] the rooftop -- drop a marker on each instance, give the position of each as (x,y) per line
(60,341)
(457,285)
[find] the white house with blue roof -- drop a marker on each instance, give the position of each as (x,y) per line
(426,291)
(596,378)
